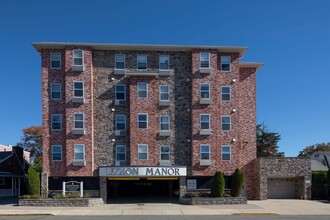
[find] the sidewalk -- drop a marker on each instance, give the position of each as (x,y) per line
(268,207)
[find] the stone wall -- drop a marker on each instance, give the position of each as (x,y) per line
(44,185)
(213,201)
(79,202)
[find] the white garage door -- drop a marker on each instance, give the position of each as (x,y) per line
(281,188)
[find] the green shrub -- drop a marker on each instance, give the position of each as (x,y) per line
(31,197)
(72,195)
(319,177)
(33,181)
(217,185)
(58,196)
(86,195)
(237,183)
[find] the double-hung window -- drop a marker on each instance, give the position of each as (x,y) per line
(225,152)
(164,152)
(120,91)
(225,93)
(205,60)
(56,91)
(164,93)
(225,123)
(56,122)
(78,58)
(142,88)
(225,63)
(164,62)
(142,152)
(121,152)
(142,121)
(55,60)
(120,61)
(142,61)
(164,123)
(205,91)
(205,121)
(120,122)
(79,152)
(56,152)
(78,121)
(78,89)
(205,152)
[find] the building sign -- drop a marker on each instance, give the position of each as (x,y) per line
(142,171)
(72,186)
(191,184)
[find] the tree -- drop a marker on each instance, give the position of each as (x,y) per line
(309,150)
(237,183)
(33,181)
(217,185)
(267,142)
(32,141)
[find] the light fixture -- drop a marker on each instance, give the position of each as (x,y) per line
(234,140)
(234,81)
(112,78)
(234,110)
(112,109)
(113,140)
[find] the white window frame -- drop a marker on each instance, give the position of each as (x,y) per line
(51,120)
(200,121)
(82,58)
(160,92)
(221,62)
(138,121)
(117,153)
(222,153)
(137,61)
(201,152)
(140,145)
(53,146)
(51,91)
(160,122)
(120,92)
(51,60)
(168,63)
(138,90)
(83,89)
(225,93)
(116,55)
(74,152)
(117,122)
(74,120)
(200,59)
(200,90)
(223,116)
(165,153)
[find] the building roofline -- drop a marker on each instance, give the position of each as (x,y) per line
(146,47)
(251,65)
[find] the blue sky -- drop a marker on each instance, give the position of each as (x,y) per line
(291,37)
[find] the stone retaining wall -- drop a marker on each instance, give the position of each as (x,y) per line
(79,202)
(213,201)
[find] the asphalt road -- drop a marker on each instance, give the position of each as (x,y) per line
(163,217)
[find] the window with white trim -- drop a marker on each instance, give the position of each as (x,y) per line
(205,152)
(225,63)
(205,91)
(78,58)
(142,90)
(164,62)
(205,121)
(164,123)
(142,61)
(120,91)
(55,60)
(165,152)
(56,122)
(225,93)
(56,91)
(205,60)
(120,122)
(121,152)
(79,152)
(142,151)
(164,93)
(56,152)
(78,89)
(225,123)
(120,61)
(78,121)
(225,152)
(142,121)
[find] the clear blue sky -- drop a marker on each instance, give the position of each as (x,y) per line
(291,37)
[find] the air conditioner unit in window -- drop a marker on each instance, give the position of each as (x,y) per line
(117,163)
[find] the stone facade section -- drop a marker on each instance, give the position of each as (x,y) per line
(80,202)
(213,201)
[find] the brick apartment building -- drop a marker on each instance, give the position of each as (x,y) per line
(146,119)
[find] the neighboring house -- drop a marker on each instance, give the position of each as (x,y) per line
(13,169)
(322,157)
(10,148)
(146,119)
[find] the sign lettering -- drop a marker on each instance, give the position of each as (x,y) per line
(142,171)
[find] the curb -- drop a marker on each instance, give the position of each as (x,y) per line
(255,214)
(28,214)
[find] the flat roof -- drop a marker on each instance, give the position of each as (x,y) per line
(146,47)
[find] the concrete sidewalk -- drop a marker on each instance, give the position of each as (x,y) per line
(268,207)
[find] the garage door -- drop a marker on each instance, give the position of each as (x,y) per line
(281,188)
